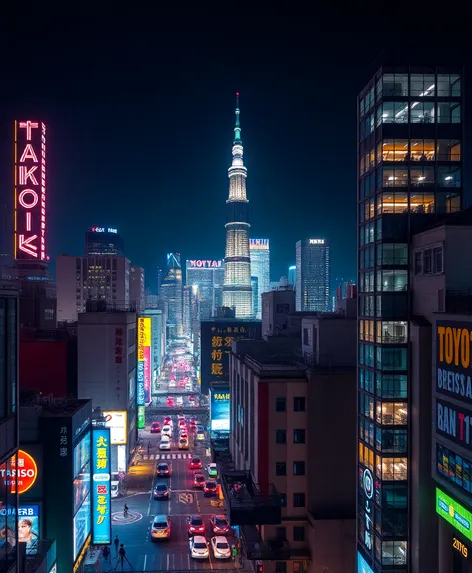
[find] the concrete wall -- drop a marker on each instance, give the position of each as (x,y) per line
(332,545)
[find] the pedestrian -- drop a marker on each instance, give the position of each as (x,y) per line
(122,555)
(116,542)
(106,553)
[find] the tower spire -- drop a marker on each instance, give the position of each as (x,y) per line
(237,128)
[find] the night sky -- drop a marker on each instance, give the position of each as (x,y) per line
(140,115)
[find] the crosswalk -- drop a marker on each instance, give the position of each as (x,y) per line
(166,456)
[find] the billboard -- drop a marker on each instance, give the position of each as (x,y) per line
(258,244)
(454,513)
(116,421)
(143,394)
(219,409)
(362,565)
(453,360)
(30,190)
(201,264)
(101,488)
(20,474)
(81,471)
(28,525)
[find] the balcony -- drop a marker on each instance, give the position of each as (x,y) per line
(247,504)
(257,549)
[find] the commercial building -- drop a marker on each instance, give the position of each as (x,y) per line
(107,358)
(136,288)
(259,252)
(171,292)
(312,275)
(237,291)
(101,241)
(191,316)
(410,151)
(208,275)
(79,280)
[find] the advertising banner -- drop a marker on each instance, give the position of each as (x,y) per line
(147,374)
(362,565)
(454,513)
(101,488)
(454,423)
(28,525)
(219,409)
(454,468)
(453,360)
(141,418)
(143,366)
(19,479)
(117,421)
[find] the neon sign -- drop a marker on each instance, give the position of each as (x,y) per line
(200,264)
(316,241)
(104,230)
(101,529)
(30,190)
(259,244)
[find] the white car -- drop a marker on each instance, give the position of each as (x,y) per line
(220,547)
(166,431)
(200,435)
(165,443)
(199,547)
(171,383)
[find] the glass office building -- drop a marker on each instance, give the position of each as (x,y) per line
(409,173)
(312,275)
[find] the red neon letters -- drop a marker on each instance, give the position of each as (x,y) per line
(30,190)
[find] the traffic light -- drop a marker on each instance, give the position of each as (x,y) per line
(260,568)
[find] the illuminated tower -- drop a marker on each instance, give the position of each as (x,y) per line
(237,290)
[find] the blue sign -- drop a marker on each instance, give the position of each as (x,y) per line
(219,409)
(140,401)
(362,565)
(101,489)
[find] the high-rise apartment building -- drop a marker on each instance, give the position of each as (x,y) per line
(312,275)
(410,136)
(292,275)
(136,288)
(208,275)
(104,241)
(237,290)
(97,278)
(259,252)
(171,292)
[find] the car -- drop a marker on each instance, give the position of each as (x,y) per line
(170,401)
(200,435)
(161,527)
(167,421)
(210,488)
(163,470)
(199,547)
(180,417)
(212,470)
(182,425)
(219,524)
(155,428)
(161,491)
(220,547)
(195,525)
(191,398)
(183,444)
(195,464)
(171,383)
(165,443)
(183,434)
(180,401)
(166,431)
(198,480)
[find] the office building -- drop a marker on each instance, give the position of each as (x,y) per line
(171,292)
(80,280)
(312,275)
(292,275)
(255,296)
(237,291)
(186,321)
(410,151)
(208,275)
(136,288)
(101,241)
(107,375)
(259,252)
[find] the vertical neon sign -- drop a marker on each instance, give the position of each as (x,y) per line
(140,398)
(30,190)
(147,360)
(101,489)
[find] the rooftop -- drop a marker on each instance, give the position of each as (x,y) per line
(49,405)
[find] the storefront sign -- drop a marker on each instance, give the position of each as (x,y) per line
(22,476)
(454,513)
(141,417)
(117,422)
(460,547)
(454,423)
(453,360)
(101,488)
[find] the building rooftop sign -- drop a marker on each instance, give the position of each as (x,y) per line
(316,241)
(104,230)
(201,264)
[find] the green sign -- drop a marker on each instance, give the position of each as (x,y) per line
(141,418)
(454,513)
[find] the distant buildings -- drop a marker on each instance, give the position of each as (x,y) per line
(104,241)
(292,275)
(259,252)
(171,292)
(136,288)
(208,275)
(312,275)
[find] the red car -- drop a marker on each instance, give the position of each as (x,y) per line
(196,464)
(167,421)
(219,524)
(170,401)
(195,525)
(155,428)
(210,488)
(198,480)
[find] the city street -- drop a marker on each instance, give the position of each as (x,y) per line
(164,555)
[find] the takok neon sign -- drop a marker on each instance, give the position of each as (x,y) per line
(30,190)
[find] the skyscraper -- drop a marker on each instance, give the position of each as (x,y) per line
(237,290)
(292,275)
(209,276)
(312,275)
(410,137)
(171,291)
(260,267)
(104,241)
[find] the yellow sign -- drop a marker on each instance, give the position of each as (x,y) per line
(460,547)
(144,336)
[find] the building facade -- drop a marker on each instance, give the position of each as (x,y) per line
(410,137)
(208,275)
(136,288)
(292,275)
(171,292)
(312,275)
(98,278)
(259,251)
(237,291)
(157,343)
(101,241)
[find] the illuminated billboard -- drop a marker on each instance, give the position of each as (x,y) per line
(104,230)
(201,264)
(454,513)
(101,488)
(219,409)
(30,190)
(28,524)
(362,565)
(259,244)
(116,421)
(143,394)
(19,479)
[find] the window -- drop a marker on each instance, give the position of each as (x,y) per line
(449,176)
(280,404)
(427,261)
(394,176)
(298,533)
(392,112)
(392,280)
(422,112)
(394,496)
(393,150)
(392,332)
(448,202)
(392,307)
(280,469)
(392,254)
(438,260)
(391,385)
(422,150)
(392,203)
(298,500)
(298,468)
(394,552)
(366,456)
(418,262)
(422,85)
(281,436)
(299,404)
(449,150)
(394,413)
(283,499)
(449,112)
(298,436)
(449,85)
(366,380)
(421,176)
(391,441)
(280,533)
(395,84)
(391,469)
(391,358)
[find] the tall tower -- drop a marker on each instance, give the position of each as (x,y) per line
(237,290)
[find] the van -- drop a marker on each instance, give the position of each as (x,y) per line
(165,443)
